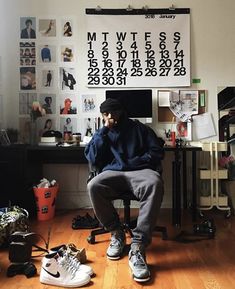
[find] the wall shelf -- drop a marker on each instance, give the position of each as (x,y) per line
(214,175)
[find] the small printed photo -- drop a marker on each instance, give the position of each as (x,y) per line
(67,54)
(46,124)
(48,76)
(24,129)
(68,125)
(67,28)
(27,53)
(88,102)
(27,78)
(184,130)
(67,78)
(25,102)
(47,27)
(189,101)
(47,53)
(90,126)
(48,102)
(68,104)
(27,27)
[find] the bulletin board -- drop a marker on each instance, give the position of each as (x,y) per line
(166,115)
(138,48)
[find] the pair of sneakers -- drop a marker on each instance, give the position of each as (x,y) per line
(79,253)
(60,268)
(137,258)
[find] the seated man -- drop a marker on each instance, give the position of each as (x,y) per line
(129,155)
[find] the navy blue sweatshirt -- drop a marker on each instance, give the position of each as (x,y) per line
(128,146)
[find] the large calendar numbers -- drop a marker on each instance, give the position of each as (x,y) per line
(146,49)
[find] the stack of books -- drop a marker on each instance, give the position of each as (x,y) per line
(48,141)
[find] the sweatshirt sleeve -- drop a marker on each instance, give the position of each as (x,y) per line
(96,149)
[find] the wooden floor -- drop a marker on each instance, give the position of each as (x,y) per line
(202,264)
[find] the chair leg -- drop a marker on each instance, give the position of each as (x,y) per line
(91,237)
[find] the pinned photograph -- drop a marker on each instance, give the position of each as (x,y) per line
(89,102)
(27,78)
(67,54)
(89,126)
(24,129)
(68,125)
(47,53)
(48,102)
(68,105)
(47,124)
(27,27)
(48,76)
(67,29)
(47,27)
(25,102)
(67,78)
(184,130)
(27,53)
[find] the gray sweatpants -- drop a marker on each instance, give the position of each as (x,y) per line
(146,185)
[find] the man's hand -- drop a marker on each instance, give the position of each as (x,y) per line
(109,122)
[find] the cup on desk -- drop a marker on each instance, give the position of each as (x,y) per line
(173,138)
(77,138)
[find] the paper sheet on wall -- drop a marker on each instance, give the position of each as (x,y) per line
(203,126)
(164,98)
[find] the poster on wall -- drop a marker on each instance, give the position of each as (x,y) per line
(138,48)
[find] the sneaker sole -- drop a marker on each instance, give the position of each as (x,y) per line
(141,280)
(113,257)
(60,284)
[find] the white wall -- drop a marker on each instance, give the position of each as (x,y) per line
(212,56)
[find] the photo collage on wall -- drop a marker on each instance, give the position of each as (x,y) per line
(48,77)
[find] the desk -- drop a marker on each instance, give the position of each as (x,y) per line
(24,164)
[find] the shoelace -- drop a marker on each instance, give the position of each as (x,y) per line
(63,262)
(69,263)
(72,260)
(115,241)
(138,259)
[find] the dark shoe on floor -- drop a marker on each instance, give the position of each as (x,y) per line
(28,269)
(138,265)
(85,222)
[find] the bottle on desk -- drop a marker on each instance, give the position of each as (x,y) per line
(173,138)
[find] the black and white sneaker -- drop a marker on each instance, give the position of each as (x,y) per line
(61,271)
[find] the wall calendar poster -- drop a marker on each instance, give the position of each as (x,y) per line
(138,48)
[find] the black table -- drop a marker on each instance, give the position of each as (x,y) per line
(23,164)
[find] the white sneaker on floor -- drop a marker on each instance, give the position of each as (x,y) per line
(63,251)
(60,271)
